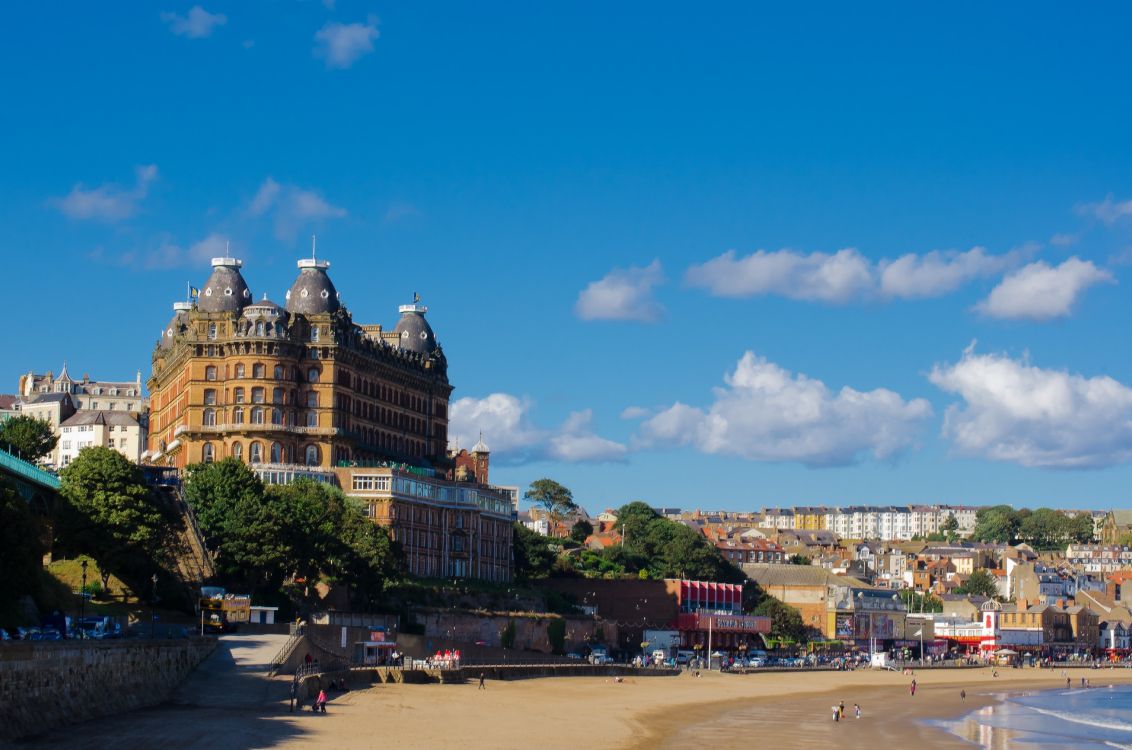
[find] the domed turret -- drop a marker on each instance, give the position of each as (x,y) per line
(177,324)
(225,290)
(413,331)
(313,292)
(265,309)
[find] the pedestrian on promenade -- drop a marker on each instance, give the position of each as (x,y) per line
(912,688)
(482,686)
(320,702)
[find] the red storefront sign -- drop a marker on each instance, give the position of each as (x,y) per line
(723,623)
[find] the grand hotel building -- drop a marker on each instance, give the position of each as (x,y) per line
(302,390)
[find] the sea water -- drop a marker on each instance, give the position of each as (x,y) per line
(1099,716)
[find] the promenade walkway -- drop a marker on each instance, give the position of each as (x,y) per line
(228,703)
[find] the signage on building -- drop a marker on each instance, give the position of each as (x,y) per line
(723,623)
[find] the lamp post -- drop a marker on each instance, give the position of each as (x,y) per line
(152,609)
(82,601)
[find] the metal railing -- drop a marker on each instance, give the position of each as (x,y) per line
(28,470)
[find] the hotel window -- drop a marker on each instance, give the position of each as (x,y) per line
(206,453)
(210,396)
(314,333)
(238,415)
(278,372)
(257,415)
(257,395)
(239,371)
(277,396)
(259,371)
(238,395)
(210,417)
(312,375)
(255,453)
(312,400)
(238,451)
(312,455)
(210,372)
(276,453)
(276,416)
(312,419)
(259,328)
(212,331)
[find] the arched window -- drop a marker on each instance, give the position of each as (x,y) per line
(210,372)
(238,415)
(312,419)
(206,453)
(312,375)
(257,415)
(278,372)
(257,395)
(239,371)
(312,400)
(210,417)
(277,396)
(259,328)
(278,329)
(255,453)
(212,331)
(238,395)
(259,371)
(276,416)
(312,455)
(276,453)
(210,396)
(238,451)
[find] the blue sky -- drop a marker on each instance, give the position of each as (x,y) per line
(716,258)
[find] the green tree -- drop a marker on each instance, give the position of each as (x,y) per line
(997,523)
(533,556)
(980,583)
(581,530)
(950,524)
(785,621)
(799,560)
(507,637)
(666,549)
(28,437)
(1079,529)
(556,500)
(110,514)
(918,602)
(21,551)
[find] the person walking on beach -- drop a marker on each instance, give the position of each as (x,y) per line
(912,688)
(857,709)
(482,686)
(841,710)
(836,714)
(1068,684)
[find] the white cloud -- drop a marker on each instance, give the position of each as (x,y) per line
(108,202)
(766,413)
(342,44)
(196,24)
(505,423)
(1014,411)
(1108,210)
(291,207)
(635,412)
(838,278)
(1041,292)
(936,273)
(847,276)
(167,253)
(622,294)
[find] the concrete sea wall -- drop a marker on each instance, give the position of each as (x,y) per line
(45,685)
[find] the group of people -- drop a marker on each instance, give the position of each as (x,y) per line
(445,660)
(839,711)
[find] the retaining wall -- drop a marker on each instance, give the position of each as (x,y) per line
(45,685)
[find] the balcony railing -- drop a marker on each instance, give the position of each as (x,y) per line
(261,427)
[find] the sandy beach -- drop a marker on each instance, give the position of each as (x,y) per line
(228,706)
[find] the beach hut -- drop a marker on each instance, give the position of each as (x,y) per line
(1004,657)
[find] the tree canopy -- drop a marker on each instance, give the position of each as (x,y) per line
(981,583)
(21,550)
(556,500)
(533,556)
(666,549)
(109,513)
(28,437)
(305,531)
(1042,529)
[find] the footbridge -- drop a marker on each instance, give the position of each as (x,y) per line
(38,486)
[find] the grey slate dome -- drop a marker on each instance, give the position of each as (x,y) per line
(413,331)
(176,325)
(225,290)
(313,292)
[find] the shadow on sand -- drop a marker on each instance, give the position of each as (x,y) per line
(227,703)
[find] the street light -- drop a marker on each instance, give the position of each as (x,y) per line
(82,600)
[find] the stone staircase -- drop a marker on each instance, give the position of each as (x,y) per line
(192,562)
